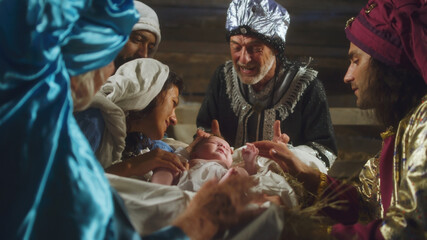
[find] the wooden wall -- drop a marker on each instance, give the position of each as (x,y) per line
(193,40)
(193,45)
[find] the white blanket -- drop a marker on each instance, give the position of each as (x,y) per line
(152,206)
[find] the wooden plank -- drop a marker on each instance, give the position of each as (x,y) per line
(351,116)
(196,69)
(207,27)
(222,48)
(342,100)
(289,4)
(187,112)
(312,22)
(193,39)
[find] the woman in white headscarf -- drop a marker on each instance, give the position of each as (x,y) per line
(132,111)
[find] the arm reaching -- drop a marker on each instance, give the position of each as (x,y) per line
(142,164)
(280,153)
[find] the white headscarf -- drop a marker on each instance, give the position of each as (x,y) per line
(134,85)
(148,21)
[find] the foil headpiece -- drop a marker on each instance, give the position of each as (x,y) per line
(264,19)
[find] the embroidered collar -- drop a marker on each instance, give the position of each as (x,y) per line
(297,80)
(264,93)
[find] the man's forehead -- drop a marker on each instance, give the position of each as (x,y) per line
(243,39)
(353,50)
(144,33)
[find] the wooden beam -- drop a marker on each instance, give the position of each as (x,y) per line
(187,113)
(351,116)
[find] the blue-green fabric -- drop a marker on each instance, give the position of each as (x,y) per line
(167,233)
(52,187)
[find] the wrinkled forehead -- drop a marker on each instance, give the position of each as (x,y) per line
(243,39)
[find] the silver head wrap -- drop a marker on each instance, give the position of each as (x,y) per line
(264,19)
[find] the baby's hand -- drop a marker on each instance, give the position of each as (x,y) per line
(249,155)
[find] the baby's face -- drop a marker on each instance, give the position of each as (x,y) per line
(215,148)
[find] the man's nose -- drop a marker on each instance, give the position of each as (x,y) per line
(143,50)
(348,77)
(244,56)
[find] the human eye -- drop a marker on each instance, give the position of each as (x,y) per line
(353,57)
(138,38)
(257,49)
(254,49)
(235,47)
(354,61)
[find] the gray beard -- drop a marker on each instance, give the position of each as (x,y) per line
(263,72)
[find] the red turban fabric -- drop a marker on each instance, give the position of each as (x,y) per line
(393,32)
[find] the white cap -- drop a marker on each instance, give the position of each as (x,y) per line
(149,21)
(136,83)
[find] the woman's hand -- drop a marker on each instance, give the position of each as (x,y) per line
(142,164)
(280,153)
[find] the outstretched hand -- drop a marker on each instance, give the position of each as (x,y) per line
(217,206)
(278,136)
(280,153)
(142,164)
(215,128)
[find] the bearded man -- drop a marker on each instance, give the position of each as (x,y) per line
(259,86)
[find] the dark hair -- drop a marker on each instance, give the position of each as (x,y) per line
(137,141)
(394,92)
(201,141)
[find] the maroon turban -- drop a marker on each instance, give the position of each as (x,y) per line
(393,32)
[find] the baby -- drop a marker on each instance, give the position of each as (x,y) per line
(210,158)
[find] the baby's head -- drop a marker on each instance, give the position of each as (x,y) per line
(213,148)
